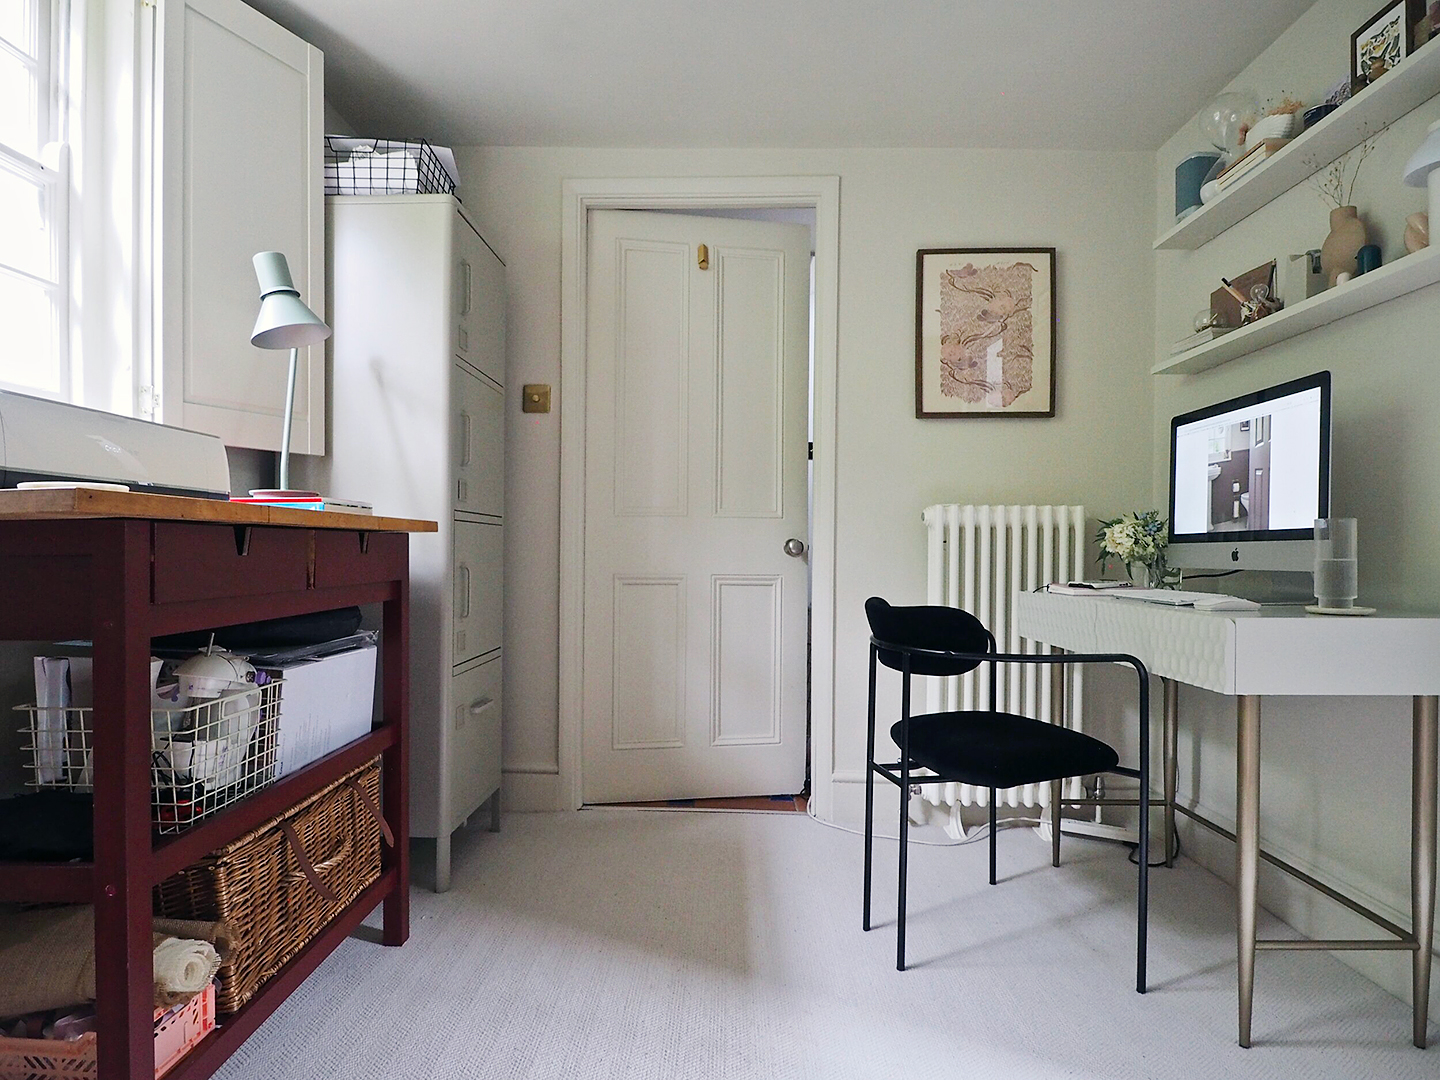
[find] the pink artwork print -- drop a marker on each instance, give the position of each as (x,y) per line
(987,348)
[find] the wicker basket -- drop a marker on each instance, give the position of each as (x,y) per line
(280,885)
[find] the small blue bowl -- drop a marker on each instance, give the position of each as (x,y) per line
(1318,113)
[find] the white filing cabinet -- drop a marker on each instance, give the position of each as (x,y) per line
(418,429)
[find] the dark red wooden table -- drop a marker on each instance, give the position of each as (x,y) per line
(121,568)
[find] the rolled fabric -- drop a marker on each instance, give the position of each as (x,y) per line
(47,959)
(183,968)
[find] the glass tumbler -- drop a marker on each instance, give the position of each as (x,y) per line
(1336,566)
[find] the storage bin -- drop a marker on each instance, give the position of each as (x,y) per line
(329,701)
(176,1034)
(387,167)
(281,884)
(203,757)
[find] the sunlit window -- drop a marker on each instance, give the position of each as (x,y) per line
(32,201)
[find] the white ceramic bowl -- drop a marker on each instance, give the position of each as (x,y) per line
(1271,127)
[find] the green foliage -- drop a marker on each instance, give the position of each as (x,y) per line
(1138,539)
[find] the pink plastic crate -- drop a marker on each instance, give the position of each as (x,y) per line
(44,1059)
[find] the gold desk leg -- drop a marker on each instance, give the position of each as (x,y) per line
(1247,848)
(1169,740)
(1422,854)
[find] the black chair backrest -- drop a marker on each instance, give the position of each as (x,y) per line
(924,627)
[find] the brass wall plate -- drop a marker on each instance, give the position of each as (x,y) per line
(535,398)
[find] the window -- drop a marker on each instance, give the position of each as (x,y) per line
(34,198)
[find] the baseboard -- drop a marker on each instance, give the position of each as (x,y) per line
(530,792)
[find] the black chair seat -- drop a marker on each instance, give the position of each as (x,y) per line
(1001,750)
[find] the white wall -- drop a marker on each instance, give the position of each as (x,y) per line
(1335,774)
(1094,207)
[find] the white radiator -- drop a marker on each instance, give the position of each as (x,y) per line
(979,558)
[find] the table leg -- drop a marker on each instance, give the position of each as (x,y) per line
(1057,713)
(1247,849)
(1168,748)
(395,767)
(1422,855)
(120,749)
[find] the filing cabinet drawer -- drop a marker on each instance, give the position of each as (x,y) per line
(345,557)
(475,723)
(479,589)
(479,428)
(207,562)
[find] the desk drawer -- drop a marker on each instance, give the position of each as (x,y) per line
(341,560)
(210,562)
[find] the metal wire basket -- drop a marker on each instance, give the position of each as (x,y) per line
(204,757)
(384,167)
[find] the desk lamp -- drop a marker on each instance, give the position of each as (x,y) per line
(284,322)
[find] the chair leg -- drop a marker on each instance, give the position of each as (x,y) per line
(992,836)
(904,851)
(1055,791)
(869,834)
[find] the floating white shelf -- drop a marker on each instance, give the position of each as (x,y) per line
(1414,82)
(1400,277)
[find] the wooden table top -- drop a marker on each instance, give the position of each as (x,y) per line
(60,504)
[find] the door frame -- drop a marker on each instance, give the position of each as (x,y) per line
(699,193)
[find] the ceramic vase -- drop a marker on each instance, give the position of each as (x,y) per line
(1347,237)
(1417,232)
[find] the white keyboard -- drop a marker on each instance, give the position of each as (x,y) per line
(1200,601)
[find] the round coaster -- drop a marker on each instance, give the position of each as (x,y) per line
(1316,609)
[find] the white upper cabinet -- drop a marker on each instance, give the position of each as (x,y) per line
(239,139)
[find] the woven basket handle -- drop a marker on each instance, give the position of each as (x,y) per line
(311,871)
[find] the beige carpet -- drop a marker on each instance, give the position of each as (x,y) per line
(623,943)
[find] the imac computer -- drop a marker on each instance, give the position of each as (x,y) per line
(1248,478)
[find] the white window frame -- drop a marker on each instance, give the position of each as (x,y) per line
(50,169)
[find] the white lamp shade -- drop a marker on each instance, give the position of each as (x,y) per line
(1425,158)
(284,321)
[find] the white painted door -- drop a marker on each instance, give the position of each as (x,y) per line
(695,464)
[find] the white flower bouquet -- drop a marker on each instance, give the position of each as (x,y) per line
(1138,541)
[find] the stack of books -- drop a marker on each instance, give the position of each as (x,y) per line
(1252,159)
(1200,337)
(304,500)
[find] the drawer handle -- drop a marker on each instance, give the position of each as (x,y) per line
(463,574)
(465,438)
(480,705)
(464,287)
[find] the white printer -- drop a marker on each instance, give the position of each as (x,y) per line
(47,440)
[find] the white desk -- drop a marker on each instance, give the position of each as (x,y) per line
(1275,651)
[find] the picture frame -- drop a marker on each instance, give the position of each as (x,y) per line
(1387,35)
(985,332)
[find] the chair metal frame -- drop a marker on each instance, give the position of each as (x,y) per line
(905,778)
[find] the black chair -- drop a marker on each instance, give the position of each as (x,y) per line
(989,749)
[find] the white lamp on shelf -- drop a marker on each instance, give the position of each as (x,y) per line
(284,322)
(1423,169)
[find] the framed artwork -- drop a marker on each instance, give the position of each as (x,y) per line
(1383,41)
(984,332)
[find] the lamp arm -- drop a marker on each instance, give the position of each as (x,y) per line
(288,422)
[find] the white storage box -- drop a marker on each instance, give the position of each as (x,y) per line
(328,701)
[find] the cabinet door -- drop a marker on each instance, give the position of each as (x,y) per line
(479,589)
(480,303)
(479,426)
(240,168)
(474,765)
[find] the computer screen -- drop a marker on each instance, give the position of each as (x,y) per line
(1255,468)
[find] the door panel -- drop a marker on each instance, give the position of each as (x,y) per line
(476,695)
(479,589)
(480,444)
(695,617)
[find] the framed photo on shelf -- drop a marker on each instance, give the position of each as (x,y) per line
(984,332)
(1383,41)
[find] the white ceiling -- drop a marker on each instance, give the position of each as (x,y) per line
(1094,74)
